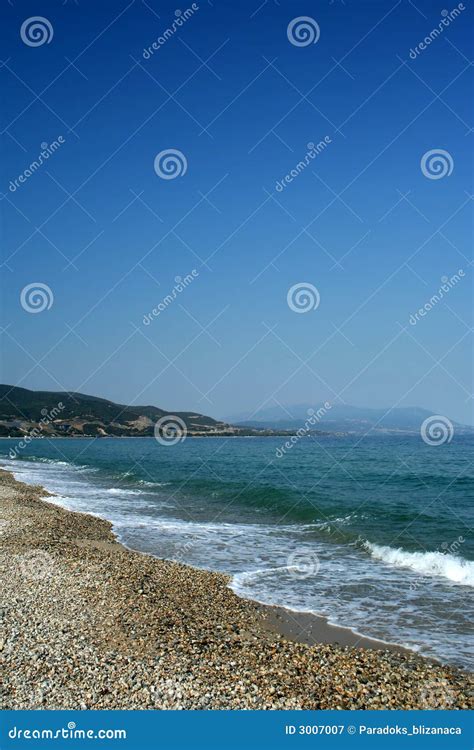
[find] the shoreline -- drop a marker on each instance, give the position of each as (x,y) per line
(88,623)
(295,625)
(300,626)
(312,629)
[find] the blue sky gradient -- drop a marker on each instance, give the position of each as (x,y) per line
(362,223)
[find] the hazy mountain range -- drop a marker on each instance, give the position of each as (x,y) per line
(68,414)
(338,418)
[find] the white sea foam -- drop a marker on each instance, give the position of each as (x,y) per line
(121,491)
(350,589)
(145,483)
(426,563)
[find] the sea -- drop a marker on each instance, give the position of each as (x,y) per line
(373,533)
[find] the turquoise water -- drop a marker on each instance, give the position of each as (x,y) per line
(373,533)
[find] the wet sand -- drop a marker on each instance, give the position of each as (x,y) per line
(305,627)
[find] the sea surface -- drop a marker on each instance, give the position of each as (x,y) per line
(373,533)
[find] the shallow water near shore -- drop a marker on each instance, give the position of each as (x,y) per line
(373,534)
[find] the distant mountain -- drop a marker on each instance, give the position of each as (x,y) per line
(68,414)
(338,418)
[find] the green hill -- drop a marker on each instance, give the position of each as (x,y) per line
(71,413)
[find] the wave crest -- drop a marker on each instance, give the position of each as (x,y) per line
(432,564)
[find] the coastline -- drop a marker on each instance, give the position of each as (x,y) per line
(303,627)
(89,623)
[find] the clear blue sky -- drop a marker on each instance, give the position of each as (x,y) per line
(361,222)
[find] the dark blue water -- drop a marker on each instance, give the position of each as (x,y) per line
(373,533)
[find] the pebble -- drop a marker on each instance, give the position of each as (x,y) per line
(86,623)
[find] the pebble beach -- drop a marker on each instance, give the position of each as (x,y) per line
(86,623)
